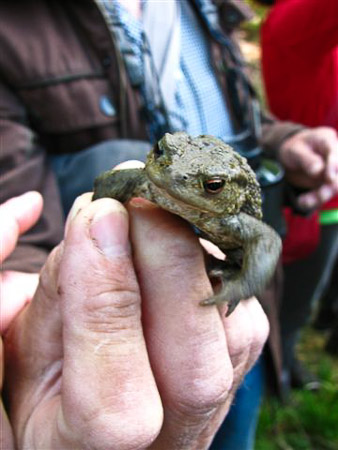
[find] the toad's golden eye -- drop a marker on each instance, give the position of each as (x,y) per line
(214,185)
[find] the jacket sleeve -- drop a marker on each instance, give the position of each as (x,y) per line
(24,167)
(274,133)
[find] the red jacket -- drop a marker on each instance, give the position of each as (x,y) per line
(300,61)
(300,69)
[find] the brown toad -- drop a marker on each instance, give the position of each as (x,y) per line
(204,181)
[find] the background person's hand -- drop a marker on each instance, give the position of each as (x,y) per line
(17,215)
(310,159)
(114,351)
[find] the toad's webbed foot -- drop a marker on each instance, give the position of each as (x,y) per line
(228,294)
(228,275)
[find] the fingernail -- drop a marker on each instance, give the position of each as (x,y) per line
(110,231)
(325,193)
(140,202)
(78,205)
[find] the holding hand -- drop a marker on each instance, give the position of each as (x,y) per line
(115,351)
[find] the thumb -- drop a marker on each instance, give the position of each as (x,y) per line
(83,332)
(101,310)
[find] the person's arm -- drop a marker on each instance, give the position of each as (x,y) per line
(115,351)
(24,168)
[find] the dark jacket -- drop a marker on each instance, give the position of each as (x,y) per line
(58,59)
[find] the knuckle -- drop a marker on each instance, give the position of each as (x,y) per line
(203,397)
(103,298)
(126,431)
(112,422)
(241,347)
(111,311)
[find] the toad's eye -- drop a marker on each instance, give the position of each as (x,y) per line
(158,150)
(214,185)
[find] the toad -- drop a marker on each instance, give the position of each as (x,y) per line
(204,181)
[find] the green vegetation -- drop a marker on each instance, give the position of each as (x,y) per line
(249,35)
(252,28)
(310,419)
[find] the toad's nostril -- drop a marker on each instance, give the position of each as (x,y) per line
(158,150)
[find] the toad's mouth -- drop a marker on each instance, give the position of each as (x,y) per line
(173,201)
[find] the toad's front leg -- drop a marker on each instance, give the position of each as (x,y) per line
(122,185)
(246,270)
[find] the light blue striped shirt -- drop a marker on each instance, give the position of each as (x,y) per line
(199,107)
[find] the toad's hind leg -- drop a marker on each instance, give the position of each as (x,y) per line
(246,276)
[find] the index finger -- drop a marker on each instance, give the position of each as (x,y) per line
(317,197)
(332,164)
(17,215)
(186,342)
(325,143)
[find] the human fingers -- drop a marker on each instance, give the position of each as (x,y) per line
(17,289)
(317,197)
(297,154)
(17,215)
(109,398)
(6,435)
(105,336)
(186,342)
(246,329)
(324,142)
(260,329)
(332,165)
(212,249)
(311,153)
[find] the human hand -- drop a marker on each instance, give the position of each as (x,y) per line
(115,351)
(17,215)
(310,159)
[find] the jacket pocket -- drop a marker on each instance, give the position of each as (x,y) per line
(70,105)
